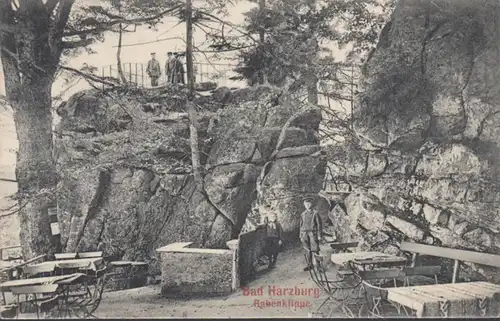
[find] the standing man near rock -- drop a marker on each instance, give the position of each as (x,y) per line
(274,238)
(310,231)
(153,70)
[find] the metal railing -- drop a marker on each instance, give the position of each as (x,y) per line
(135,74)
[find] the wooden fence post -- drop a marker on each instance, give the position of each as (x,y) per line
(414,258)
(456,271)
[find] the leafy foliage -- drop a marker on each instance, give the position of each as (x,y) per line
(297,33)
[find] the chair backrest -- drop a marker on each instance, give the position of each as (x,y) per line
(343,246)
(34,289)
(32,270)
(65,256)
(422,270)
(426,271)
(86,255)
(454,254)
(379,274)
(375,281)
(317,272)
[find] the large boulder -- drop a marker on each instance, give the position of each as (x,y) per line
(126,173)
(426,154)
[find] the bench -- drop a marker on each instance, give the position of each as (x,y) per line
(343,247)
(46,300)
(65,256)
(31,271)
(455,254)
(87,255)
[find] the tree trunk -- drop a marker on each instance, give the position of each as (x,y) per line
(29,94)
(262,75)
(312,90)
(35,168)
(119,58)
(312,79)
(193,121)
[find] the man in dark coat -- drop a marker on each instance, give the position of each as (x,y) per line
(153,70)
(169,67)
(179,69)
(310,231)
(274,239)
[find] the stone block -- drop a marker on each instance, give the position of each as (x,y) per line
(195,271)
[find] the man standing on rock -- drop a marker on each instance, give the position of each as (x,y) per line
(169,68)
(153,70)
(310,231)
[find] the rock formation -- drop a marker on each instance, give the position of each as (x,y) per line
(426,164)
(124,161)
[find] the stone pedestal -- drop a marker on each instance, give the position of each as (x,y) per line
(194,271)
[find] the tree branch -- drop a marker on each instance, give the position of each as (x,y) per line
(51,5)
(88,76)
(62,17)
(229,24)
(105,26)
(76,44)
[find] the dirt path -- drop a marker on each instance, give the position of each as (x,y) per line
(147,302)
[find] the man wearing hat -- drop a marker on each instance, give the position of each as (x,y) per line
(169,67)
(153,70)
(310,231)
(179,68)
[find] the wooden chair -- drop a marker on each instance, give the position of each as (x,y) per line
(42,303)
(65,256)
(421,275)
(87,255)
(85,306)
(8,311)
(375,284)
(340,293)
(343,248)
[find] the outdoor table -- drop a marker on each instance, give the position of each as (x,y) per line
(59,279)
(449,300)
(90,264)
(125,274)
(367,258)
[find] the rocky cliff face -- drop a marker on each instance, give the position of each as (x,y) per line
(427,160)
(124,161)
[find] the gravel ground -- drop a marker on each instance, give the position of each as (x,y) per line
(146,302)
